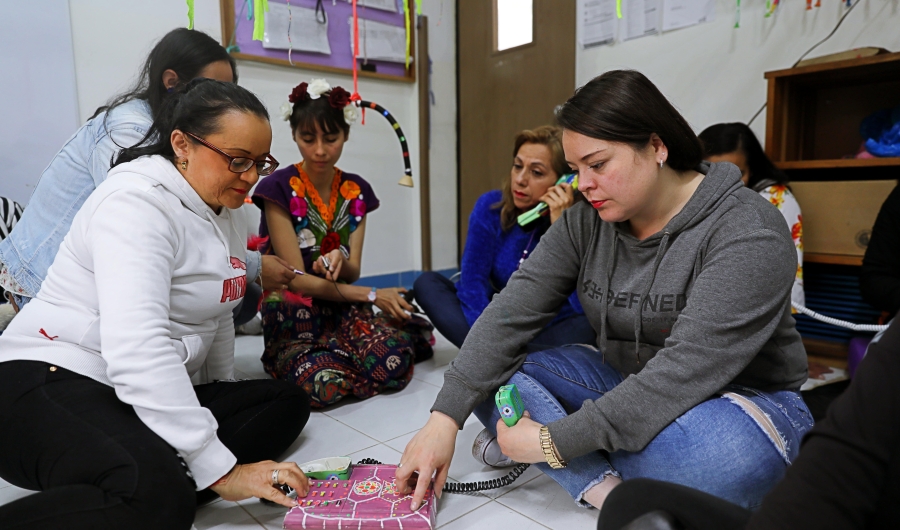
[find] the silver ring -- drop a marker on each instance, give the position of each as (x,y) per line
(275,478)
(399,466)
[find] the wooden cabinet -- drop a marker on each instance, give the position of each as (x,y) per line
(814,114)
(812,133)
(813,120)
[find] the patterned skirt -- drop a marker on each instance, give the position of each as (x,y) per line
(335,349)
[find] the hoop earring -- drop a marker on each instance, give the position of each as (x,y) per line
(184,165)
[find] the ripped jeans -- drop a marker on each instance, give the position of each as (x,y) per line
(736,446)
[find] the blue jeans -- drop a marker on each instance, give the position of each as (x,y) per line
(716,447)
(436,295)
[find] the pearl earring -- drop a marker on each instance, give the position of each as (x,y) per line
(184,165)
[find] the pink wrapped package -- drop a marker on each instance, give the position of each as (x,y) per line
(367,500)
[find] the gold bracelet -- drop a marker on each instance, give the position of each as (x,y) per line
(549,450)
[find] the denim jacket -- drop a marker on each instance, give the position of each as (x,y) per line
(73,174)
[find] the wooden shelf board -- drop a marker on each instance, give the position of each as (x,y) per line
(828,361)
(844,163)
(875,60)
(826,349)
(832,259)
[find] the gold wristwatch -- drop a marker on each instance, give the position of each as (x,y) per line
(549,450)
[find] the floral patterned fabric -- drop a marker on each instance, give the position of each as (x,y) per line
(314,230)
(333,349)
(784,200)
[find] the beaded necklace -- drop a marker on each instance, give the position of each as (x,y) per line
(326,213)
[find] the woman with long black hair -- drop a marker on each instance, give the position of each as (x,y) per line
(685,275)
(83,163)
(97,404)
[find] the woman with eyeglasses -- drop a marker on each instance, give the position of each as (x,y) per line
(331,343)
(98,407)
(83,163)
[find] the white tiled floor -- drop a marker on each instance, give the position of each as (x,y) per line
(380,428)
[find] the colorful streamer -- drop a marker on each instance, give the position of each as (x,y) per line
(260,7)
(249,9)
(419,7)
(406,18)
(290,44)
(737,15)
(355,96)
(190,4)
(618,8)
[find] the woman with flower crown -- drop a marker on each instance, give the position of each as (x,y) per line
(321,332)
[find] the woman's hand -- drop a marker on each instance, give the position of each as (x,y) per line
(522,441)
(558,198)
(336,261)
(276,274)
(392,302)
(428,453)
(255,480)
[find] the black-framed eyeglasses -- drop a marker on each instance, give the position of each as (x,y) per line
(240,164)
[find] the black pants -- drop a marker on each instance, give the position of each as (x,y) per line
(436,295)
(97,465)
(692,509)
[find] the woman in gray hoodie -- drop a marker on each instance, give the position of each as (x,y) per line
(686,276)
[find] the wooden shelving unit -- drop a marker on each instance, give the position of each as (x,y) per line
(812,130)
(832,259)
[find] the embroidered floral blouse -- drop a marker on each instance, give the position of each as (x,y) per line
(320,228)
(784,200)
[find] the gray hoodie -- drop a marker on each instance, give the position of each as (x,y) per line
(714,289)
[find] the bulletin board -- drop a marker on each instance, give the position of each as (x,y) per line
(237,31)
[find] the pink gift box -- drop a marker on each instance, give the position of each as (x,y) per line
(367,500)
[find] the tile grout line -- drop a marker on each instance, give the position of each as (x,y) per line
(426,382)
(368,436)
(255,520)
(465,514)
(353,428)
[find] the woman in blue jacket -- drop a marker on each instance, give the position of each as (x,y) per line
(496,245)
(84,161)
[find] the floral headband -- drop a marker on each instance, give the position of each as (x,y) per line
(338,98)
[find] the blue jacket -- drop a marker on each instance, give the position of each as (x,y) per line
(73,174)
(491,256)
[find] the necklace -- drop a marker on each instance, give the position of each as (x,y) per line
(527,246)
(325,212)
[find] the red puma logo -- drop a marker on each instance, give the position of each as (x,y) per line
(233,288)
(238,264)
(44,333)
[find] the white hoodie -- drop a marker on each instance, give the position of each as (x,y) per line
(149,271)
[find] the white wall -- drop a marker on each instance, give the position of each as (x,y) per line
(38,103)
(112,37)
(714,73)
(442,48)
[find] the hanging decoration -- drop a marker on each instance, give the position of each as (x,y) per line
(737,15)
(249,9)
(419,7)
(290,44)
(407,177)
(406,19)
(771,6)
(190,4)
(260,7)
(619,9)
(355,96)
